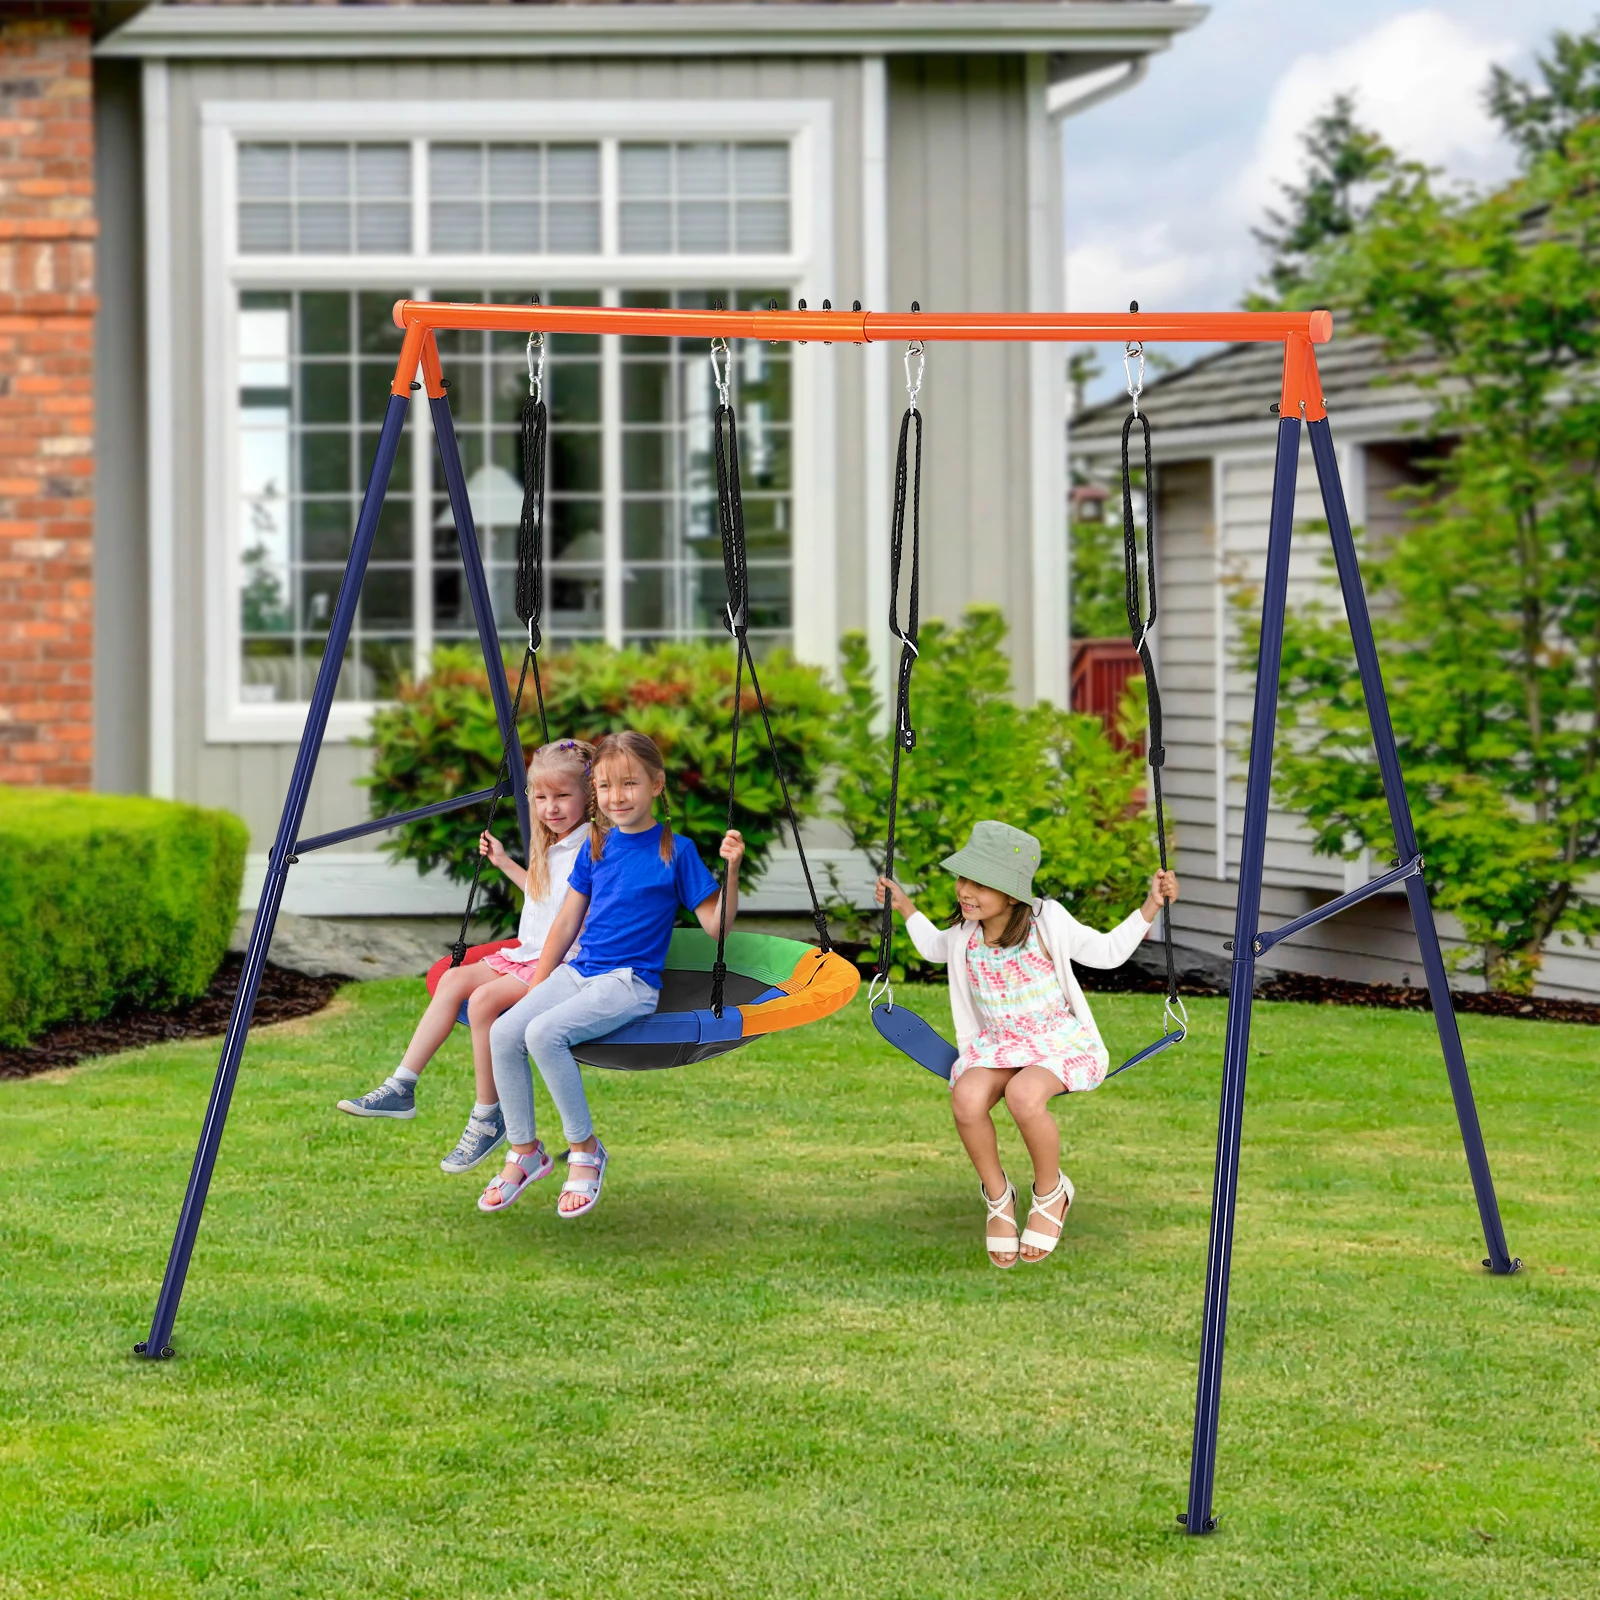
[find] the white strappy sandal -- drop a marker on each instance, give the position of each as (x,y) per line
(1046,1242)
(999,1244)
(589,1188)
(534,1164)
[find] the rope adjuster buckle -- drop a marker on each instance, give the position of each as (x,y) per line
(736,624)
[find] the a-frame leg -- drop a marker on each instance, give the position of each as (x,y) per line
(1499,1258)
(157,1345)
(482,604)
(1236,1049)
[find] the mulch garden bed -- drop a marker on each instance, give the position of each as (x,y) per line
(1306,988)
(283,996)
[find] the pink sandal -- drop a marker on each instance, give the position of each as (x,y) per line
(589,1188)
(501,1193)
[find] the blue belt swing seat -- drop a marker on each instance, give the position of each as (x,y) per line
(909,1033)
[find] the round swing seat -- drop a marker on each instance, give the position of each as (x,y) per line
(772,984)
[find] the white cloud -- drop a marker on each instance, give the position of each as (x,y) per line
(1417,78)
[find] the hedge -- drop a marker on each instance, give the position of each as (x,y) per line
(109,901)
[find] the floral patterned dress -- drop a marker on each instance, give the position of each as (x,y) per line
(1026,1021)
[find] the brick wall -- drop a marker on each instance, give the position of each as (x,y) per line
(47,230)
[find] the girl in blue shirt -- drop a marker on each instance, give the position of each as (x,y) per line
(623,892)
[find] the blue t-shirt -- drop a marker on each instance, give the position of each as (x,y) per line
(633,901)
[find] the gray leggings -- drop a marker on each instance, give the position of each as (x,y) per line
(562,1011)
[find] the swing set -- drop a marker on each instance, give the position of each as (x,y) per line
(725,991)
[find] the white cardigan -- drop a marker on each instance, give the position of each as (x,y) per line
(1065,940)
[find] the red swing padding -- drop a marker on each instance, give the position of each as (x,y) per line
(475,953)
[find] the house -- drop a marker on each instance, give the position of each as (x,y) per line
(1215,433)
(210,337)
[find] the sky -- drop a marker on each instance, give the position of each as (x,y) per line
(1164,182)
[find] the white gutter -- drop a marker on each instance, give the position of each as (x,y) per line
(1071,96)
(1118,28)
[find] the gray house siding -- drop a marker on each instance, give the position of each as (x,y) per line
(958,238)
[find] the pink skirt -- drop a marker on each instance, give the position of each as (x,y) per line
(501,961)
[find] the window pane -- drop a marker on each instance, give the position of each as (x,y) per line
(702,169)
(455,169)
(573,170)
(763,227)
(761,170)
(645,169)
(456,227)
(303,459)
(645,226)
(383,171)
(514,170)
(322,171)
(266,228)
(574,227)
(324,228)
(515,227)
(383,227)
(703,226)
(264,171)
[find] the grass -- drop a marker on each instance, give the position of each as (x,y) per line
(776,1362)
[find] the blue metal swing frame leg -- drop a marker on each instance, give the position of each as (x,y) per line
(1198,1518)
(157,1345)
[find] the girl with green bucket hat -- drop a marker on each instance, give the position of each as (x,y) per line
(1020,1017)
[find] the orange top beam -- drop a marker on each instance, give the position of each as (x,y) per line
(868,327)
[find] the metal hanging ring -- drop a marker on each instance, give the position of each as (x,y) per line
(1135,384)
(874,992)
(914,385)
(536,365)
(721,375)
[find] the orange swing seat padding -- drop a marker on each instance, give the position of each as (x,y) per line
(772,983)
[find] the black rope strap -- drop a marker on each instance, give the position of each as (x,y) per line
(907,483)
(736,619)
(529,600)
(1139,625)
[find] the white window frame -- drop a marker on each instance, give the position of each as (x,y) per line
(806,270)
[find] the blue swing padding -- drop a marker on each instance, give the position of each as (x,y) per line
(680,1027)
(929,1048)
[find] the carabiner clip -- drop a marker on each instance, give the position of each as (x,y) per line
(914,385)
(722,375)
(873,992)
(1135,385)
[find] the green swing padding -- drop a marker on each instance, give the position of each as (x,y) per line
(765,956)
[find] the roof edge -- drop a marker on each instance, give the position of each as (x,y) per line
(904,27)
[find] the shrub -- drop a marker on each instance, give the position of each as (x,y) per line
(109,901)
(1055,773)
(441,738)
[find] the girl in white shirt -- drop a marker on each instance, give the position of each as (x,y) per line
(563,815)
(1020,1017)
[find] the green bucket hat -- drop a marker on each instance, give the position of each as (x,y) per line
(999,857)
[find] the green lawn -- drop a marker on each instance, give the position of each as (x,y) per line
(776,1361)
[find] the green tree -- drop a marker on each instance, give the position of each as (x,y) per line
(1539,119)
(1053,772)
(1488,602)
(1344,166)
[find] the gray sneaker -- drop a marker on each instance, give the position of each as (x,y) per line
(387,1100)
(479,1139)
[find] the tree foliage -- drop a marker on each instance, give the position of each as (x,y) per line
(1488,601)
(1343,168)
(440,738)
(978,754)
(1540,118)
